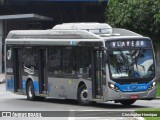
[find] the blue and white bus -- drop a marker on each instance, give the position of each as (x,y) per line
(83,61)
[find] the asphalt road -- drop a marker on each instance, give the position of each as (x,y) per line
(68,108)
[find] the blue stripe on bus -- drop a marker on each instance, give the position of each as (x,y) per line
(36,85)
(10,85)
(24,86)
(133,87)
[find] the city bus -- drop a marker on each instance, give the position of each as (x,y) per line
(88,62)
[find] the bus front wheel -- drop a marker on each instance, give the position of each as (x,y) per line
(30,91)
(127,102)
(82,95)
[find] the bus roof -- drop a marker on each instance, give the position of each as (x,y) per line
(101,29)
(96,28)
(53,37)
(52,34)
(70,34)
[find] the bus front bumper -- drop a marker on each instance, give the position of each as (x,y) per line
(145,95)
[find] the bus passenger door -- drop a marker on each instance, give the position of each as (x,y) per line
(97,74)
(17,68)
(43,81)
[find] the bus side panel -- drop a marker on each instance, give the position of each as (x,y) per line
(9,69)
(9,83)
(66,88)
(62,88)
(57,87)
(67,67)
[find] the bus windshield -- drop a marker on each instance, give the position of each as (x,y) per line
(136,63)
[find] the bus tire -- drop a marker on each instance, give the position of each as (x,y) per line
(30,91)
(127,102)
(82,96)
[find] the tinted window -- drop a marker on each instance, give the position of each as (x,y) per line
(132,64)
(9,60)
(29,59)
(69,61)
(55,66)
(84,61)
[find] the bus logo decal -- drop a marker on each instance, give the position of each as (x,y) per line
(9,54)
(9,70)
(29,70)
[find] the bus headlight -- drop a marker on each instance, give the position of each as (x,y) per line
(113,87)
(152,85)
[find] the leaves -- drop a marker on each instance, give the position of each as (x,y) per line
(142,16)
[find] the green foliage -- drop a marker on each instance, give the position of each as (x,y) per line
(142,16)
(152,111)
(158,90)
(152,118)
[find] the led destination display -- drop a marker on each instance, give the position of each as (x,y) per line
(130,44)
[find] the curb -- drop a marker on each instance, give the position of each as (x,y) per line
(137,118)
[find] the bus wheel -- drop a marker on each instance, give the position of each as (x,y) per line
(82,95)
(30,91)
(127,102)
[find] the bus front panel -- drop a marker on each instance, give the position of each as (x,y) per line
(131,70)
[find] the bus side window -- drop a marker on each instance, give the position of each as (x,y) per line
(84,61)
(69,61)
(55,67)
(30,60)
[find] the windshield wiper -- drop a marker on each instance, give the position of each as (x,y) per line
(136,59)
(126,60)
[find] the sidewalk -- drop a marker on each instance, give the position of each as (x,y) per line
(2,80)
(2,75)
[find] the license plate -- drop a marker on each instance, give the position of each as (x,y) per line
(134,96)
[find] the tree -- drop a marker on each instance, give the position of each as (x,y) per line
(142,16)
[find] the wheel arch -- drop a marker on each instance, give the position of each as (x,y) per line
(79,85)
(83,100)
(34,81)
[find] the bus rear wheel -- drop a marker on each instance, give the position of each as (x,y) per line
(127,102)
(82,96)
(30,91)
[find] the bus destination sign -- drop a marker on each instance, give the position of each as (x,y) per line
(130,44)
